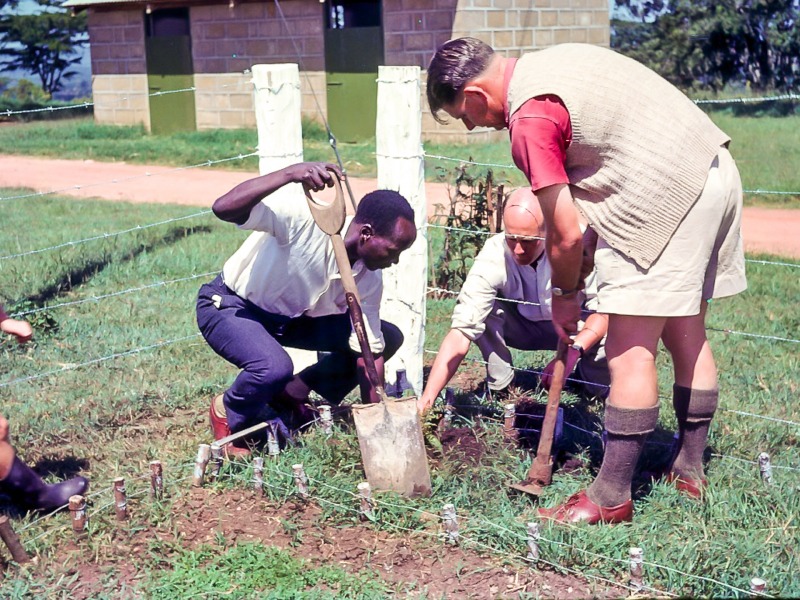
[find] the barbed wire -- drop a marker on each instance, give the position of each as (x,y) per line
(212,162)
(489,233)
(379,502)
(599,385)
(91,511)
(206,163)
(747,100)
(113,294)
(105,236)
(225,87)
(773,338)
(481,521)
(124,99)
(8,112)
(505,166)
(137,350)
(753,462)
(766,418)
(97,360)
(772,262)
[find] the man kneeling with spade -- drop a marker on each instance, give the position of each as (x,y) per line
(282,288)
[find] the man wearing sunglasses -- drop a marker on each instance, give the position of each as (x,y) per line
(506,303)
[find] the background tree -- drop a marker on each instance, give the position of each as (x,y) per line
(714,43)
(45,44)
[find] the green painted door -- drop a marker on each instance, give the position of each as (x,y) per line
(353,51)
(168,48)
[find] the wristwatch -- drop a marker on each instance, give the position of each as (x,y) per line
(557,291)
(577,346)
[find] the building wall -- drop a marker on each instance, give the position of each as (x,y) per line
(513,27)
(413,29)
(121,100)
(117,42)
(226,42)
(226,100)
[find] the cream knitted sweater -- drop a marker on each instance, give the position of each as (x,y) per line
(640,149)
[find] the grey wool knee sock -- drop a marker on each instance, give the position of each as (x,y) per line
(627,429)
(694,410)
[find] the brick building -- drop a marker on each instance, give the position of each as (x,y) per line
(141,49)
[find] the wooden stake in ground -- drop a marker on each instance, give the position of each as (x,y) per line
(449,409)
(258,475)
(11,540)
(637,569)
(77,508)
(200,464)
(758,586)
(765,467)
(216,461)
(120,499)
(300,480)
(325,419)
(273,445)
(156,479)
(509,416)
(533,541)
(450,523)
(365,493)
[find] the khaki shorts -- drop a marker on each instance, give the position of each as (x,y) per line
(703,259)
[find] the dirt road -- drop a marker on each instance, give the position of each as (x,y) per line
(773,231)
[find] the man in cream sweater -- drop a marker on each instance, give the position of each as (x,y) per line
(599,134)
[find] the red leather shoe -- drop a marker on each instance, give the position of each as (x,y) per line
(694,488)
(580,509)
(220,429)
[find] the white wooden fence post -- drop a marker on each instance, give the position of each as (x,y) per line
(280,141)
(277,103)
(398,145)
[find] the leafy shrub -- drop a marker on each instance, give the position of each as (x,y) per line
(476,207)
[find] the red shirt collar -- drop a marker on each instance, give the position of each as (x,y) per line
(512,62)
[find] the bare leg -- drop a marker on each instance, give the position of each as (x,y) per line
(695,396)
(693,361)
(632,410)
(631,414)
(631,349)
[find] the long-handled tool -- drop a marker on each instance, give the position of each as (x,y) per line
(389,432)
(541,472)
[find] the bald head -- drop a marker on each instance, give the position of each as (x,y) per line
(523,214)
(524,226)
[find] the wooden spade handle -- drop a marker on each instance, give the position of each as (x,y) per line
(356,316)
(541,471)
(328,217)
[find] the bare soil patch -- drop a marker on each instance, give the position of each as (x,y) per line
(415,563)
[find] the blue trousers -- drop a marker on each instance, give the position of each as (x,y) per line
(254,340)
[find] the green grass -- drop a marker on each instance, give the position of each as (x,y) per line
(261,572)
(110,418)
(767,150)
